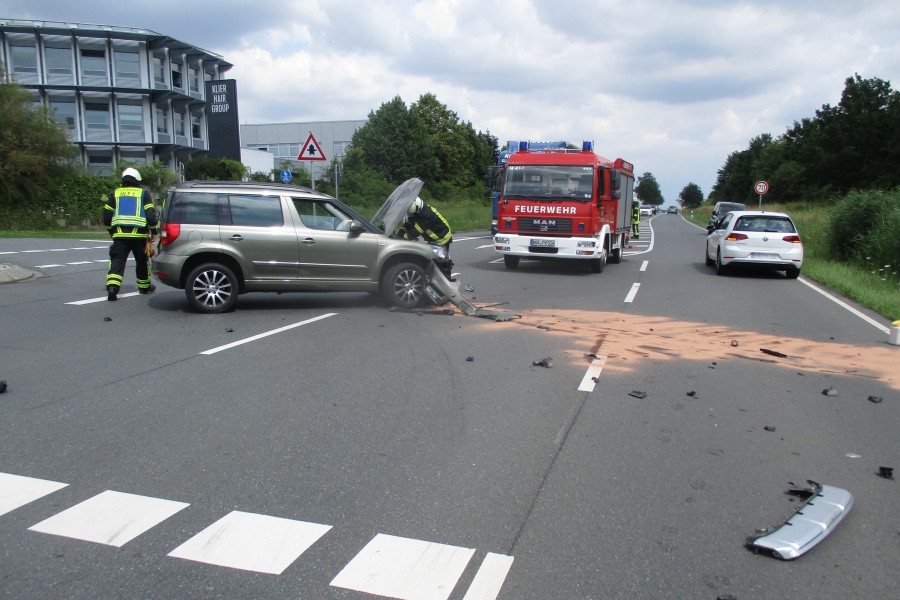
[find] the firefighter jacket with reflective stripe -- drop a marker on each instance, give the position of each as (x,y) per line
(636,214)
(428,223)
(129,213)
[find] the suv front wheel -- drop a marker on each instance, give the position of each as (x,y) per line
(212,288)
(403,285)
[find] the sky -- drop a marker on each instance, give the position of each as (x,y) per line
(672,86)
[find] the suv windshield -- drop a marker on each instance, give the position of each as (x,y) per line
(552,182)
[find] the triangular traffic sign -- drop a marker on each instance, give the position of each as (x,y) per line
(311,150)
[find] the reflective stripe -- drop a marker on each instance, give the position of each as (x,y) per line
(129,210)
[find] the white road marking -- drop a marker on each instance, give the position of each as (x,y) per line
(631,294)
(251,542)
(102,299)
(644,265)
(589,381)
(17,490)
(405,568)
(885,329)
(267,334)
(110,518)
(484,246)
(490,577)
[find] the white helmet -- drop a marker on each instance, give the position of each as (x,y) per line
(131,172)
(416,206)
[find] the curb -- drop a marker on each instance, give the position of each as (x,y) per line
(14,274)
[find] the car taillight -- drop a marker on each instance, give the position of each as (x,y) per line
(169,232)
(794,239)
(736,236)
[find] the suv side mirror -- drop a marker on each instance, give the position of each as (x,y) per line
(356,227)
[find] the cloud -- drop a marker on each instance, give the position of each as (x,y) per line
(672,87)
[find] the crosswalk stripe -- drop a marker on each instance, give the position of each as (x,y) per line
(490,577)
(110,518)
(404,568)
(18,490)
(251,542)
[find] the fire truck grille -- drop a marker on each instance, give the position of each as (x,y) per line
(551,225)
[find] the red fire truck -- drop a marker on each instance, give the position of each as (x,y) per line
(564,204)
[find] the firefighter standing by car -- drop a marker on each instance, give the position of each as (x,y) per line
(423,219)
(130,218)
(635,220)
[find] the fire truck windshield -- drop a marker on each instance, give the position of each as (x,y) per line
(549,182)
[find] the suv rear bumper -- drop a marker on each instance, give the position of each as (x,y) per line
(816,518)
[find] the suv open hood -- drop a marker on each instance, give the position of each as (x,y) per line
(393,211)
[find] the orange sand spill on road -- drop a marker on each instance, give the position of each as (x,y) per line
(636,336)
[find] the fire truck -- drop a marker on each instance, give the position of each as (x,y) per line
(564,203)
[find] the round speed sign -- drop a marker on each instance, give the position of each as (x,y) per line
(761,187)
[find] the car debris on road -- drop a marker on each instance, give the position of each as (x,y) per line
(824,508)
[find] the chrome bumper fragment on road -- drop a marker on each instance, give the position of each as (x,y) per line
(825,507)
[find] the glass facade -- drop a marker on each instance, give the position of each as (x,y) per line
(121,93)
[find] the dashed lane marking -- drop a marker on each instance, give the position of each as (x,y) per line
(267,334)
(632,293)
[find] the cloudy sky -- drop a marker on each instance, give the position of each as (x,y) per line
(674,86)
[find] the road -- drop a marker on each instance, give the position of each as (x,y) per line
(322,446)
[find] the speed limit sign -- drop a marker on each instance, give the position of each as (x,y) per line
(761,187)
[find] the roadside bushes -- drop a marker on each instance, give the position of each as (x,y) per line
(863,228)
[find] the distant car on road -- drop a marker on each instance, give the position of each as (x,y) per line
(759,239)
(646,209)
(672,210)
(721,208)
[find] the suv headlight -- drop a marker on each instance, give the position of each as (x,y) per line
(439,252)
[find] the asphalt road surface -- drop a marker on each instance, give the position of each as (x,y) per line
(322,446)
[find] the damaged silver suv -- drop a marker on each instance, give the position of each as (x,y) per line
(220,239)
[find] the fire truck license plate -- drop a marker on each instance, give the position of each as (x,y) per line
(540,242)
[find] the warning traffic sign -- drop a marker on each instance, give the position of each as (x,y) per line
(311,150)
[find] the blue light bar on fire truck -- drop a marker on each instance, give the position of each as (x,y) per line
(587,146)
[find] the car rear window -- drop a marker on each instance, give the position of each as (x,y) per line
(210,208)
(764,224)
(255,211)
(193,209)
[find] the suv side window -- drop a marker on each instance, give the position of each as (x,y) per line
(193,209)
(319,215)
(254,211)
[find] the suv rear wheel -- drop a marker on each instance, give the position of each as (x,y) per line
(212,288)
(403,285)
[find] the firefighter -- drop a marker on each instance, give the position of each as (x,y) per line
(635,220)
(423,219)
(130,218)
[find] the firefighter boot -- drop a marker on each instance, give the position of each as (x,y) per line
(111,293)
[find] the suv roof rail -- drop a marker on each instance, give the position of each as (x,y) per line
(255,184)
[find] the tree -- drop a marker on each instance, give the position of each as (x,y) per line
(395,142)
(34,149)
(214,169)
(648,190)
(691,196)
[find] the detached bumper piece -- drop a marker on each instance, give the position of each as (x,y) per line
(825,507)
(440,291)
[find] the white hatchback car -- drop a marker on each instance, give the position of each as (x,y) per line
(760,239)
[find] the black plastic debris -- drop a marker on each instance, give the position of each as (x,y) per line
(773,353)
(544,362)
(229,330)
(470,359)
(886,472)
(107,319)
(769,428)
(595,379)
(637,394)
(830,391)
(692,394)
(875,399)
(3,387)
(734,343)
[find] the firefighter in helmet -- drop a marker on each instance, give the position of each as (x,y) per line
(131,219)
(635,220)
(424,220)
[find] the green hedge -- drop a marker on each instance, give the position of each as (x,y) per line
(863,228)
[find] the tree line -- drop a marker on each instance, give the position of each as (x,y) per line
(854,145)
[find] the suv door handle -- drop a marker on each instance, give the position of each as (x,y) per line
(236,237)
(308,241)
